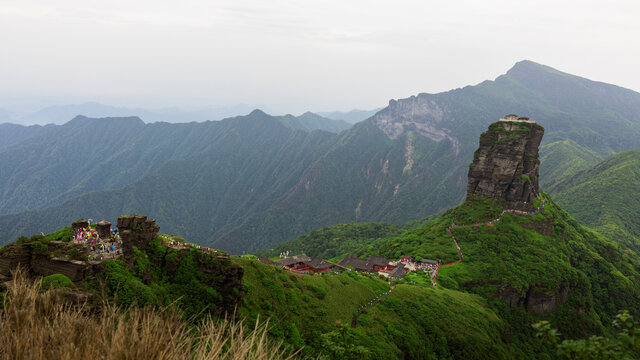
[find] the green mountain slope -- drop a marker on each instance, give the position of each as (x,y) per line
(562,159)
(535,264)
(336,240)
(522,269)
(414,321)
(56,163)
(606,197)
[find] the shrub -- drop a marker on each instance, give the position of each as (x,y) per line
(55,281)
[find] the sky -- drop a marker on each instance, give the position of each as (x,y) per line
(292,56)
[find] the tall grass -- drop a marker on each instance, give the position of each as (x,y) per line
(37,324)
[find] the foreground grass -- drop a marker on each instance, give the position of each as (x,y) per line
(37,324)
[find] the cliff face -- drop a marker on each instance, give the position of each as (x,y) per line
(41,259)
(136,230)
(421,114)
(505,166)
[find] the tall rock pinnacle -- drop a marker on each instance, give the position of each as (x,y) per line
(505,166)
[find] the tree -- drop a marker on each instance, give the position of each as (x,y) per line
(341,344)
(625,345)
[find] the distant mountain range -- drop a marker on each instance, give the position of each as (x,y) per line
(254,181)
(60,114)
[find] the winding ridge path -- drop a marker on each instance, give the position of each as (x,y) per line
(490,223)
(370,304)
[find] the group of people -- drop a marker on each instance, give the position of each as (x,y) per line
(99,248)
(376,299)
(185,245)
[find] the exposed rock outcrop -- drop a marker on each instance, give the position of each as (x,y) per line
(104,229)
(534,300)
(79,224)
(505,166)
(419,114)
(41,259)
(136,230)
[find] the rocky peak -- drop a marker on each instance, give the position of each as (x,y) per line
(505,166)
(420,114)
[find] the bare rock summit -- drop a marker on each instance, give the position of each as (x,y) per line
(506,164)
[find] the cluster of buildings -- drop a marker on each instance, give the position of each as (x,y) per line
(373,264)
(514,117)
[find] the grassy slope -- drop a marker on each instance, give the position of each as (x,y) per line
(413,321)
(605,197)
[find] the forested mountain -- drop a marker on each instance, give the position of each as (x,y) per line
(55,163)
(251,182)
(606,197)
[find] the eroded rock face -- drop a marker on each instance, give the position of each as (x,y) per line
(104,229)
(536,301)
(419,114)
(79,224)
(40,262)
(136,230)
(506,164)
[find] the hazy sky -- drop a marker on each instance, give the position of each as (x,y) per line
(294,56)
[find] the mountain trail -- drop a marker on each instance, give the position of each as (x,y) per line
(434,277)
(370,304)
